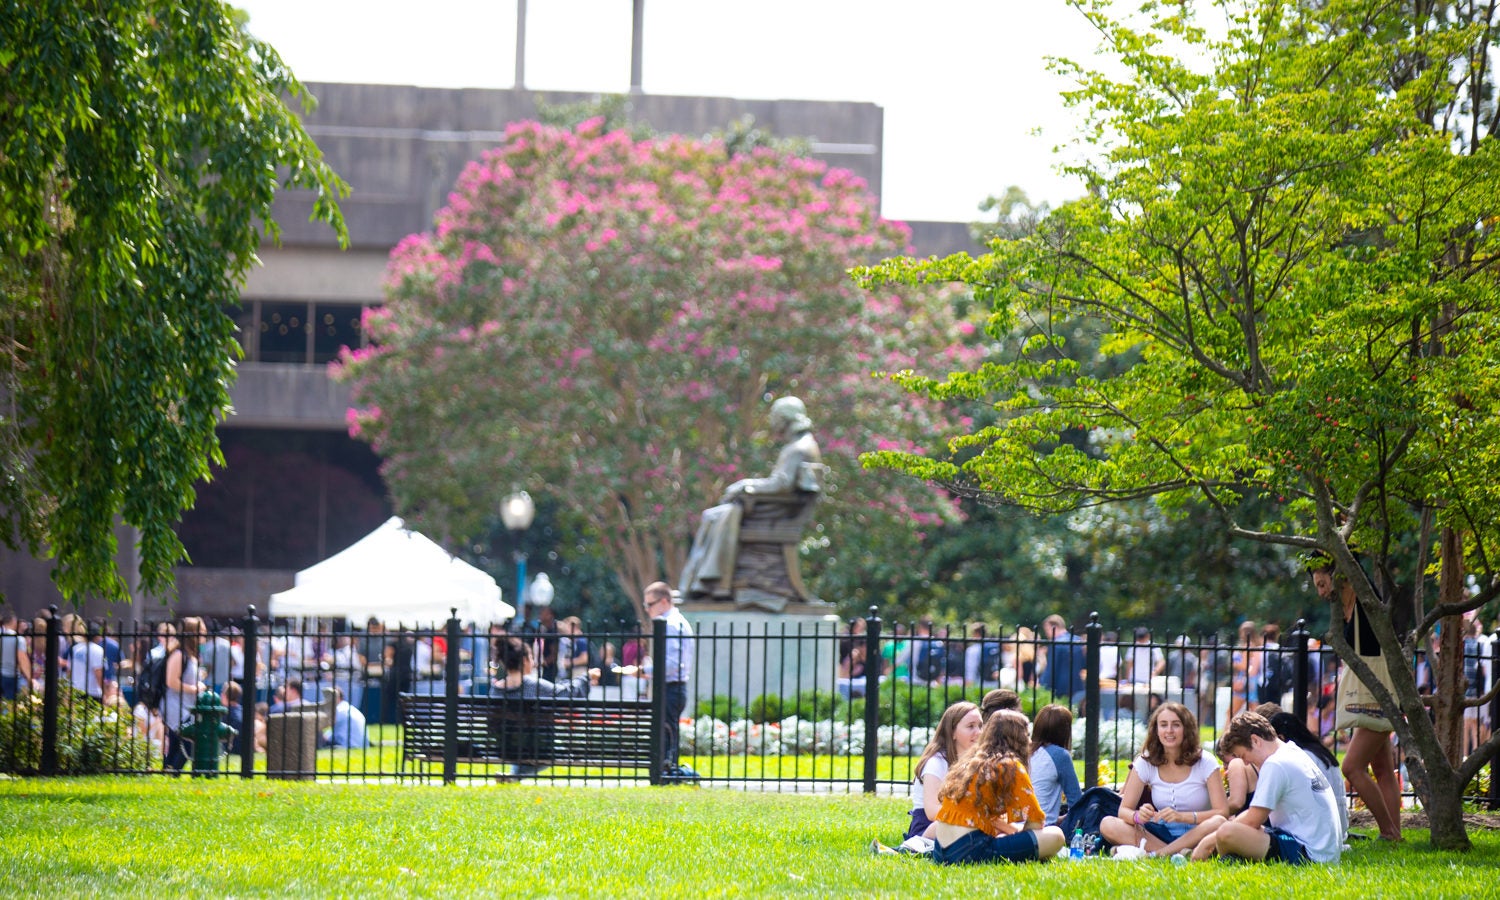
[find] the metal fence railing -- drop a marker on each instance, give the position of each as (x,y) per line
(820,705)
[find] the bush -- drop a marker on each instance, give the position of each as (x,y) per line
(766,708)
(816,704)
(90,739)
(721,706)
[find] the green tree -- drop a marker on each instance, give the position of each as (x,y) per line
(1295,244)
(141,144)
(603,319)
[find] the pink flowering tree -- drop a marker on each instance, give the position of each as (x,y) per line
(604,320)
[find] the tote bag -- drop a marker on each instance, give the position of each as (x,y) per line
(1357,705)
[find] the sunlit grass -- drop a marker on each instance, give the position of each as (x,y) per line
(159,837)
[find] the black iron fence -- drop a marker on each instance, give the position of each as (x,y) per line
(809,705)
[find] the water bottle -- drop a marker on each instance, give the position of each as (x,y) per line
(1076,846)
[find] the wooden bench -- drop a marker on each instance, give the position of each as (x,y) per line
(498,730)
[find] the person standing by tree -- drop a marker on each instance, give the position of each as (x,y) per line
(1369,760)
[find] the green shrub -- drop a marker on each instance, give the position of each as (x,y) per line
(921,706)
(89,742)
(766,708)
(816,705)
(722,707)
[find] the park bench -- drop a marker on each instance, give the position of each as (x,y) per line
(551,732)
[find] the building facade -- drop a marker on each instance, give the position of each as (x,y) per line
(296,487)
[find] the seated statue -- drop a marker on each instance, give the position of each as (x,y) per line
(745,550)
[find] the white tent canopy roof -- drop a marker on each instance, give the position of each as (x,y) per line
(397,576)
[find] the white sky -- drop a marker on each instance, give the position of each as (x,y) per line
(969,105)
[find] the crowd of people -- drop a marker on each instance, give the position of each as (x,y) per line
(544,656)
(1217,679)
(1194,678)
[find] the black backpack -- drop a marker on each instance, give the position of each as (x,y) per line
(1094,806)
(1278,677)
(151,681)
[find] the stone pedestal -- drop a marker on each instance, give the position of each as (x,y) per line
(745,653)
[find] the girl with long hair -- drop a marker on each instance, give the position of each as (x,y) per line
(988,810)
(956,733)
(1186,784)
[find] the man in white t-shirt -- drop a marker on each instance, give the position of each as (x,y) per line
(1293,817)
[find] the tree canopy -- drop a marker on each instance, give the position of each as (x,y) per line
(141,145)
(604,319)
(1291,251)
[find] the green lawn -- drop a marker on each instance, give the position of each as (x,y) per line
(150,837)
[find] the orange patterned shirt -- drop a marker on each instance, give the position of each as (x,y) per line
(986,810)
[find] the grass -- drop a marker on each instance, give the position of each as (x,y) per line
(159,837)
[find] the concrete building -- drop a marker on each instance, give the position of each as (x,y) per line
(297,488)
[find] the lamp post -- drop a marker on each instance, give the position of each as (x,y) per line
(517,511)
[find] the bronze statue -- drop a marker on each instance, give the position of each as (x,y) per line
(746,547)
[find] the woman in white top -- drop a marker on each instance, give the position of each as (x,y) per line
(956,732)
(183,687)
(1187,801)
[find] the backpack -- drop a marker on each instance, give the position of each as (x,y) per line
(1277,679)
(931,661)
(151,681)
(1093,807)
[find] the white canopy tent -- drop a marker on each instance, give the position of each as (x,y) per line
(397,576)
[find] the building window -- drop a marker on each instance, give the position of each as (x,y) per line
(297,332)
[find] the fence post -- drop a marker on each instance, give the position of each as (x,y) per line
(49,695)
(658,699)
(1494,760)
(249,692)
(450,699)
(1095,633)
(872,699)
(1300,670)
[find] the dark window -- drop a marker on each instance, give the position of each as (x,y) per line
(335,325)
(282,332)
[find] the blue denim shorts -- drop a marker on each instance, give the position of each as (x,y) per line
(1167,832)
(978,847)
(1285,848)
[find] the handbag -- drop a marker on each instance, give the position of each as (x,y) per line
(1357,704)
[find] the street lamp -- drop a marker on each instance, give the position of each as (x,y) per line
(517,511)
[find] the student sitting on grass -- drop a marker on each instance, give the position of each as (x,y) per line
(1051,768)
(989,811)
(955,734)
(1186,785)
(1292,795)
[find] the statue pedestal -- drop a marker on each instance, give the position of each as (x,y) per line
(744,653)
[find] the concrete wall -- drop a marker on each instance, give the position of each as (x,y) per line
(402,148)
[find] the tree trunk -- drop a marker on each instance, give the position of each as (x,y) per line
(1445,809)
(1444,800)
(1448,669)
